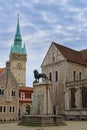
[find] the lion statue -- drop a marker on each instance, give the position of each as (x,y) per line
(37,76)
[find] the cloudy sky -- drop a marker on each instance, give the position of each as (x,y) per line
(41,22)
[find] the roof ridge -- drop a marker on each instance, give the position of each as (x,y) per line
(65,47)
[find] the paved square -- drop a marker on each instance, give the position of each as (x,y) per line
(71,125)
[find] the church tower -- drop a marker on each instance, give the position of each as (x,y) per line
(18,58)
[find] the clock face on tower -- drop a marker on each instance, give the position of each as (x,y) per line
(19,65)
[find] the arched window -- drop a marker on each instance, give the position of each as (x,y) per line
(13,108)
(10,109)
(4,109)
(84,97)
(13,92)
(0,108)
(50,76)
(79,75)
(74,75)
(53,59)
(2,91)
(56,76)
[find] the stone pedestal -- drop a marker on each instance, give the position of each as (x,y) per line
(42,120)
(42,108)
(42,104)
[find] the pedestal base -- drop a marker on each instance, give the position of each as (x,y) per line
(42,120)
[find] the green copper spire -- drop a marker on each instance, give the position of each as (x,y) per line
(17,39)
(18,28)
(17,46)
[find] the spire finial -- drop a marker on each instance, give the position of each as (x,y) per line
(18,28)
(18,17)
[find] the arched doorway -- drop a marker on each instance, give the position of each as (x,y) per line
(28,109)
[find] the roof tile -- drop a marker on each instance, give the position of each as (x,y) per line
(1,70)
(72,55)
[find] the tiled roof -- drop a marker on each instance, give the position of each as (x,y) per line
(26,89)
(72,55)
(84,54)
(1,70)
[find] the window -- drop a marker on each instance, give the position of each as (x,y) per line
(13,108)
(84,97)
(56,76)
(27,95)
(50,76)
(4,108)
(2,91)
(74,75)
(53,59)
(13,93)
(19,95)
(0,108)
(80,76)
(10,109)
(73,98)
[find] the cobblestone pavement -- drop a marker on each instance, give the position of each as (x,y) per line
(71,125)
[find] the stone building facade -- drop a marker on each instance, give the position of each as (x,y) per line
(67,70)
(9,104)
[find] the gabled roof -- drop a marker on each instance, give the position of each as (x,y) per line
(1,70)
(70,54)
